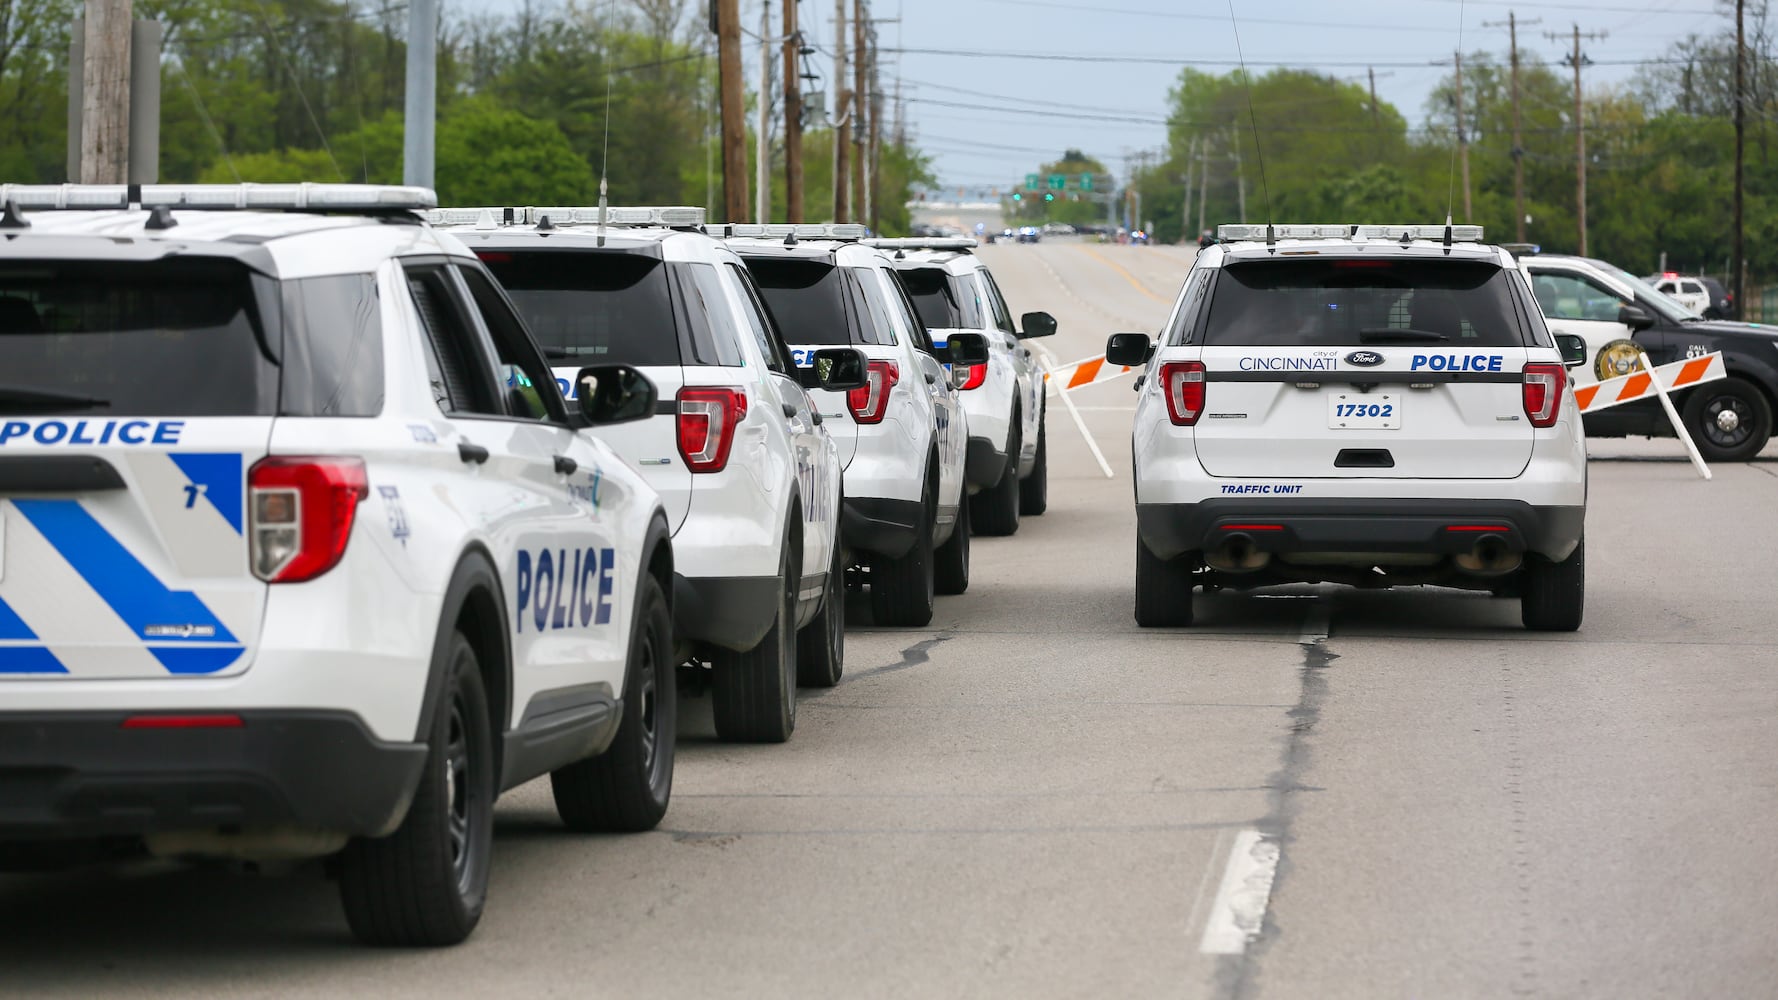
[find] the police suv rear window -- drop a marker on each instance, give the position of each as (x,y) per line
(1338,302)
(591,307)
(806,297)
(174,337)
(944,301)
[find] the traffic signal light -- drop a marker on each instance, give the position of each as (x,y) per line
(1048,197)
(1017,196)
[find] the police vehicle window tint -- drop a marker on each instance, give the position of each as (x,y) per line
(754,316)
(876,306)
(333,347)
(901,309)
(1573,297)
(454,362)
(997,305)
(806,298)
(528,381)
(1341,301)
(934,298)
(708,299)
(594,308)
(177,337)
(1191,307)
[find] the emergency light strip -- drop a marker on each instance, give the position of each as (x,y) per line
(268,197)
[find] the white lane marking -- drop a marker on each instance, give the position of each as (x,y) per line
(1239,912)
(1316,625)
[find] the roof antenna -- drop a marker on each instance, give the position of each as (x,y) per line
(1253,123)
(12,218)
(1451,173)
(605,150)
(790,237)
(160,217)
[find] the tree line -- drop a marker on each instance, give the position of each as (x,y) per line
(533,106)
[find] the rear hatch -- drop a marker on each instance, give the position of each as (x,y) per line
(592,307)
(1387,368)
(134,398)
(815,305)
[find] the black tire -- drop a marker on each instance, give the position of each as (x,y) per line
(1163,589)
(996,509)
(1730,420)
(626,788)
(821,645)
(1034,490)
(753,694)
(950,574)
(901,590)
(425,884)
(1553,597)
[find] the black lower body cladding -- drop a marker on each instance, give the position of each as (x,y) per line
(885,527)
(733,612)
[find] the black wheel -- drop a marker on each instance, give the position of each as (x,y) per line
(997,507)
(1713,313)
(821,645)
(1730,420)
(1553,595)
(1034,490)
(901,589)
(753,694)
(1163,589)
(626,788)
(950,575)
(425,884)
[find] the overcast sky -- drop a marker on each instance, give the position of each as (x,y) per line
(978,148)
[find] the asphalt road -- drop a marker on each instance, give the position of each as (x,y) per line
(1034,798)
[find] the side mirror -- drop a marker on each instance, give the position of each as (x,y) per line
(1037,324)
(614,394)
(1130,350)
(1573,348)
(964,349)
(1635,317)
(839,369)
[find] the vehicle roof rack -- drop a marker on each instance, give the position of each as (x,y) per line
(561,216)
(922,243)
(847,231)
(221,197)
(1254,232)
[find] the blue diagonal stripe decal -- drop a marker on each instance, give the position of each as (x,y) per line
(125,584)
(218,476)
(11,625)
(23,659)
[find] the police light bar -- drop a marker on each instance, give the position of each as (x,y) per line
(923,243)
(802,231)
(1237,232)
(1461,234)
(263,197)
(658,216)
(480,218)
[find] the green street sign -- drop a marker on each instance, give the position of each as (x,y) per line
(1086,182)
(1058,182)
(1030,182)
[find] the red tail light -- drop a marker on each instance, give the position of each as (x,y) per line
(974,376)
(1182,382)
(300,513)
(871,400)
(1544,385)
(220,721)
(708,417)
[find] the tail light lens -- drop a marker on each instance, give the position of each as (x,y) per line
(708,417)
(1182,382)
(973,376)
(1544,385)
(871,400)
(300,513)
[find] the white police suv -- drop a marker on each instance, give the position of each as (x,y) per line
(738,452)
(901,434)
(1368,405)
(297,560)
(1008,455)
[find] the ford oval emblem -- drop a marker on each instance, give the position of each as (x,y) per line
(1364,359)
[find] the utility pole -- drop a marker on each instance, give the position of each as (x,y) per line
(762,143)
(734,128)
(842,130)
(1376,114)
(1738,265)
(872,190)
(420,119)
(1185,213)
(1203,182)
(1240,176)
(105,93)
(1512,26)
(1462,138)
(793,116)
(1578,60)
(860,112)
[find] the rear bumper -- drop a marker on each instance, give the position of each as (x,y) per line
(81,774)
(884,527)
(1289,525)
(733,612)
(983,463)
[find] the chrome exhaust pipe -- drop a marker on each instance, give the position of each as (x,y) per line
(1237,555)
(1490,557)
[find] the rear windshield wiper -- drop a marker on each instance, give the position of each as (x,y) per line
(1385,334)
(23,399)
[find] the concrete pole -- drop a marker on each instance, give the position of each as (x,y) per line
(145,102)
(1580,152)
(105,93)
(793,116)
(762,146)
(420,125)
(1738,259)
(1203,182)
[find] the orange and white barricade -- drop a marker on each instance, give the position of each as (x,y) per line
(1656,382)
(1082,373)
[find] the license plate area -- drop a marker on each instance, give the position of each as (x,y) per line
(1364,411)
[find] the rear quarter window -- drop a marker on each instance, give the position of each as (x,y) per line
(1337,302)
(333,347)
(182,336)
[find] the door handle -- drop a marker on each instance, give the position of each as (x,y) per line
(474,454)
(565,465)
(789,410)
